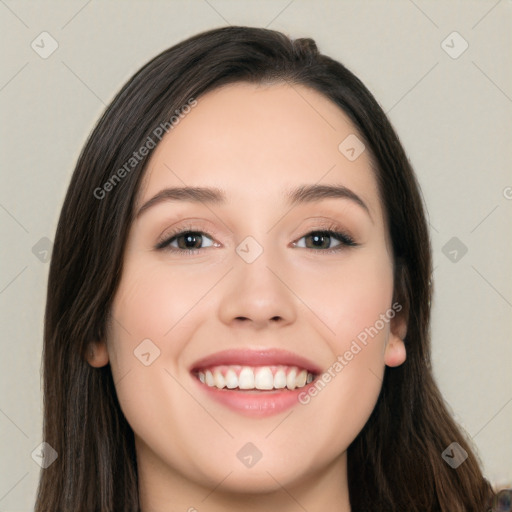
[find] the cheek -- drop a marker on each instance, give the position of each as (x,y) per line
(353,300)
(144,311)
(152,299)
(155,315)
(145,348)
(350,297)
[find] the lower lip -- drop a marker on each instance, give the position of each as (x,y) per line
(255,403)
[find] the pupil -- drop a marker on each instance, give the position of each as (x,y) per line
(317,240)
(190,239)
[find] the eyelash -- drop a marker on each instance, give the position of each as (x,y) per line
(333,231)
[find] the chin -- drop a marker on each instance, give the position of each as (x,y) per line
(257,481)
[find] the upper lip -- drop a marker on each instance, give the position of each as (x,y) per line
(258,357)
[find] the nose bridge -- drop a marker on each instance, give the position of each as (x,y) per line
(258,247)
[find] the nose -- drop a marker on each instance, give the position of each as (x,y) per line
(256,295)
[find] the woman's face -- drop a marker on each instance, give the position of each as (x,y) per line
(266,298)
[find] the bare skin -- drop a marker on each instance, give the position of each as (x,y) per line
(254,143)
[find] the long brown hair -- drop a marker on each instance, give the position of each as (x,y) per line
(395,463)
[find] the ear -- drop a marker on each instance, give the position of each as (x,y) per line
(395,352)
(97,354)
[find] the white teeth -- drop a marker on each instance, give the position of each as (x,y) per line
(300,381)
(264,378)
(246,379)
(280,379)
(209,378)
(219,379)
(290,379)
(231,379)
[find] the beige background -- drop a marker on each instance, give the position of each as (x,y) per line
(452,114)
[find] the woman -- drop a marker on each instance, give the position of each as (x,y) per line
(239,299)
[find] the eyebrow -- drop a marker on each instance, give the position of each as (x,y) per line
(211,195)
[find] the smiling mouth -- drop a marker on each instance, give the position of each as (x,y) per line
(255,378)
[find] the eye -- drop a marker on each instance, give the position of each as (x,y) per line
(191,241)
(322,240)
(188,241)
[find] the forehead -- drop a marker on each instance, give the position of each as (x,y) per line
(257,141)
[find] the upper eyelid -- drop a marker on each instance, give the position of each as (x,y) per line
(327,226)
(321,224)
